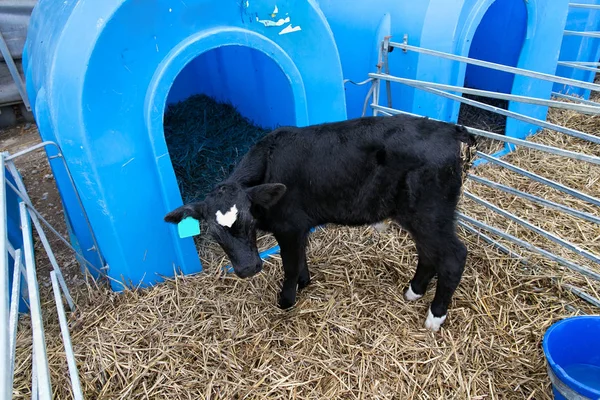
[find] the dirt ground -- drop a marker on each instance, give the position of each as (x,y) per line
(41,187)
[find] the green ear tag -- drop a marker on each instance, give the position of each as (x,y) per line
(188,227)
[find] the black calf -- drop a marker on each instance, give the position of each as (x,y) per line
(351,173)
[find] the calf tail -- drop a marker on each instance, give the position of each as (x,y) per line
(464,136)
(467,150)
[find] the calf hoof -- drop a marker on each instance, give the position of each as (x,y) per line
(434,323)
(286,303)
(381,227)
(410,295)
(303,282)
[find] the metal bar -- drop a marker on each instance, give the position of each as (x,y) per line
(584,34)
(31,149)
(575,267)
(14,72)
(357,83)
(12,252)
(493,242)
(77,196)
(58,235)
(507,139)
(5,384)
(588,63)
(24,196)
(580,293)
(64,329)
(511,114)
(583,5)
(385,53)
(583,295)
(41,358)
(366,103)
(548,235)
(500,67)
(14,313)
(494,95)
(34,376)
(572,309)
(574,98)
(376,91)
(578,66)
(536,199)
(385,113)
(540,179)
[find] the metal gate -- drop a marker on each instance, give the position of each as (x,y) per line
(25,269)
(583,261)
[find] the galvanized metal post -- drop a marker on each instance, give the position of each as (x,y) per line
(5,383)
(14,312)
(23,194)
(39,342)
(64,330)
(14,72)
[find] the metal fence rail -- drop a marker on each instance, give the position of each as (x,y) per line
(584,5)
(548,235)
(578,66)
(498,67)
(586,109)
(535,199)
(584,34)
(493,242)
(430,87)
(473,225)
(575,98)
(507,139)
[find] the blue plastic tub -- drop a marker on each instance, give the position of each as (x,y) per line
(572,349)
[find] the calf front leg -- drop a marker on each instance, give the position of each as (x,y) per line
(293,255)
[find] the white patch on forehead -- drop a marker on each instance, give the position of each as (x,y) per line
(229,218)
(434,323)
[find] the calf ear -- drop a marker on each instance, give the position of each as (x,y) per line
(194,210)
(266,195)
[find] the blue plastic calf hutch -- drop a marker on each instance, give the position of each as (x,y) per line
(579,48)
(100,74)
(525,34)
(572,351)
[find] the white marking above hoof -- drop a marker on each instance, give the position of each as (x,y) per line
(229,218)
(381,226)
(409,295)
(434,323)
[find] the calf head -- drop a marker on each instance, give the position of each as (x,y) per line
(227,210)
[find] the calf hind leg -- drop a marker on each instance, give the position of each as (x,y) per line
(423,275)
(441,253)
(449,271)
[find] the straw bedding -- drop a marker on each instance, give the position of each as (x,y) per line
(206,139)
(351,336)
